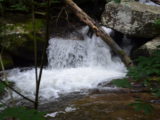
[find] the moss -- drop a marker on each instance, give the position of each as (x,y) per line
(121,52)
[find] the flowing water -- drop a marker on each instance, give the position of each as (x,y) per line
(73,66)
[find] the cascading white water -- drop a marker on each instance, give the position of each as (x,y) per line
(90,52)
(73,65)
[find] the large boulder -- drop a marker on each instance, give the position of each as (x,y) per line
(132,18)
(148,48)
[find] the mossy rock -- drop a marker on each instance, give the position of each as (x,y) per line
(18,38)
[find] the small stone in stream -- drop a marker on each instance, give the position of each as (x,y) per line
(155,101)
(106,84)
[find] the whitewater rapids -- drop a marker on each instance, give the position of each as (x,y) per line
(73,65)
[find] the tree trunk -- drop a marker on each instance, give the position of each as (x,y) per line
(99,32)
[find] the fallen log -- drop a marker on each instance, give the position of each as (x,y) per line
(99,32)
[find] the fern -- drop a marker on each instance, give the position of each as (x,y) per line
(142,106)
(146,71)
(147,66)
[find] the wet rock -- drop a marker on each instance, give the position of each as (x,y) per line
(148,48)
(106,84)
(155,101)
(132,18)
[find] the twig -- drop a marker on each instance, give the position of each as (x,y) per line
(43,55)
(67,16)
(3,82)
(59,14)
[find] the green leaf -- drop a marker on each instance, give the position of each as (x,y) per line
(122,83)
(142,106)
(22,113)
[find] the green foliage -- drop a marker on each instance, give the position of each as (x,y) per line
(157,23)
(142,106)
(122,83)
(2,87)
(38,25)
(156,92)
(23,5)
(147,67)
(147,72)
(19,7)
(22,113)
(117,1)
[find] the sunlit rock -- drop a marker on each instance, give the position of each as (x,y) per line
(148,48)
(132,18)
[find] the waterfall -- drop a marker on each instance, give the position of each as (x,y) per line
(73,65)
(68,53)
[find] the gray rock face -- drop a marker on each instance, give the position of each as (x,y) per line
(132,18)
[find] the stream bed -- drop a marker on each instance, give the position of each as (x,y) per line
(103,105)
